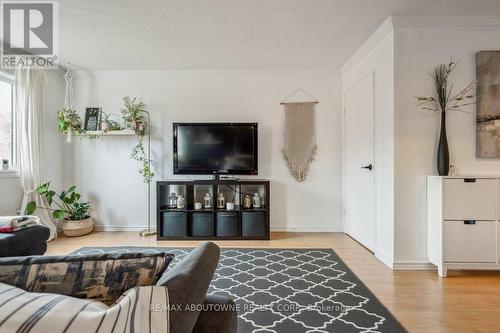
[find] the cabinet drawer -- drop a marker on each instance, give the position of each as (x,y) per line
(253,224)
(174,224)
(227,224)
(473,241)
(466,199)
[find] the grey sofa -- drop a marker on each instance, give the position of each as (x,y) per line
(188,283)
(25,242)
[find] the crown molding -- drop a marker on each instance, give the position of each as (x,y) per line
(132,74)
(445,21)
(382,30)
(407,22)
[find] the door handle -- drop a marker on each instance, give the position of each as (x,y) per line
(369,167)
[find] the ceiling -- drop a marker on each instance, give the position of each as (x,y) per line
(232,34)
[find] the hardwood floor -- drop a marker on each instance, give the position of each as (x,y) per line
(466,301)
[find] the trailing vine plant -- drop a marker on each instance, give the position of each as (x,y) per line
(139,154)
(134,116)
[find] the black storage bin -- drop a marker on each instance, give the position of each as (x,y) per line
(227,224)
(202,224)
(253,224)
(174,224)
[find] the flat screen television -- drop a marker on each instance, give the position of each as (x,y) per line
(215,148)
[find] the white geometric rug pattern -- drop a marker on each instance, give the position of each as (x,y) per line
(311,269)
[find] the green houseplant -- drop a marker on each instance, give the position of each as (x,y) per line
(69,121)
(136,118)
(108,124)
(134,114)
(68,206)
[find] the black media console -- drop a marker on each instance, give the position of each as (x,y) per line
(213,223)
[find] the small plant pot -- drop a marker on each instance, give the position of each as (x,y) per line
(132,125)
(78,228)
(140,128)
(105,126)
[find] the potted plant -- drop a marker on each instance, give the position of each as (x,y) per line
(108,124)
(67,206)
(133,114)
(69,122)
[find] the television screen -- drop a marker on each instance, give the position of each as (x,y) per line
(215,148)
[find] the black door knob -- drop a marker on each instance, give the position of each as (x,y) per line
(369,167)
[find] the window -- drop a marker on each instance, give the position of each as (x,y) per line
(7,120)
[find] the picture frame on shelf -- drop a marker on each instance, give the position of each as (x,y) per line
(92,118)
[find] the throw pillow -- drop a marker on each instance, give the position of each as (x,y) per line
(101,277)
(41,313)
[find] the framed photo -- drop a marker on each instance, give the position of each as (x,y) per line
(92,119)
(488,104)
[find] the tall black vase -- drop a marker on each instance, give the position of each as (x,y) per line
(443,156)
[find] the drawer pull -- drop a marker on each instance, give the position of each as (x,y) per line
(470,222)
(470,180)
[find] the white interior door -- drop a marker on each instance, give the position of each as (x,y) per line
(359,168)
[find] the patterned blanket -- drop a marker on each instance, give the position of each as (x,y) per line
(141,309)
(15,223)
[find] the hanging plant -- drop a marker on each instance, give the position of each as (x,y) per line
(134,116)
(69,120)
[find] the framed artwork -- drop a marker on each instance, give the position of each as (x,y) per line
(92,119)
(488,104)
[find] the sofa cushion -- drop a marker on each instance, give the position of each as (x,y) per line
(28,241)
(141,309)
(188,283)
(219,315)
(101,277)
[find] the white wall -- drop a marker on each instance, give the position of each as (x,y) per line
(10,194)
(52,164)
(106,174)
(376,56)
(420,45)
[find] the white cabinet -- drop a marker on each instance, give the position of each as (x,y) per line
(463,222)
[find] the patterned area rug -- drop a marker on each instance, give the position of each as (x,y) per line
(290,290)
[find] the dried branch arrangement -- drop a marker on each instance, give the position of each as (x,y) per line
(444,99)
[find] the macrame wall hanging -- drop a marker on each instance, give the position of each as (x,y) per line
(69,77)
(299,145)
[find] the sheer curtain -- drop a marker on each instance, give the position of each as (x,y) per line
(29,108)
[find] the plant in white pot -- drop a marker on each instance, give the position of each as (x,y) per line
(67,206)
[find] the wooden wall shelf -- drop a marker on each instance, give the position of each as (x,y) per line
(125,132)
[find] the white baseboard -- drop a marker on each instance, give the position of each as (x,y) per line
(385,259)
(307,229)
(414,266)
(107,227)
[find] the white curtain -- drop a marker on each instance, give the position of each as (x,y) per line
(29,108)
